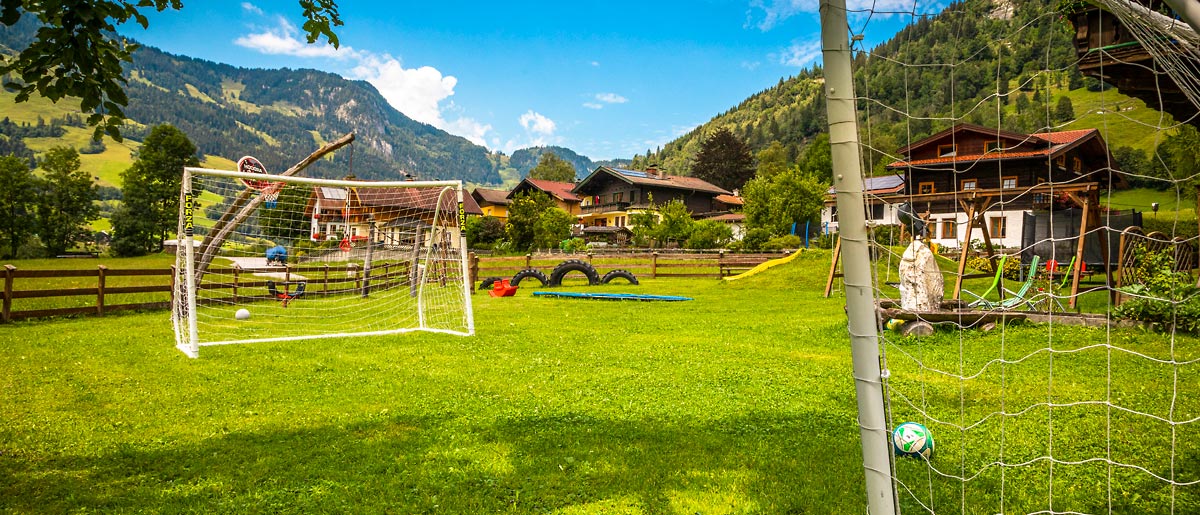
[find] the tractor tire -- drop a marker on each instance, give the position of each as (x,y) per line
(487,283)
(528,272)
(624,274)
(574,265)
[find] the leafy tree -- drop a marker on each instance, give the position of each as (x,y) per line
(643,224)
(724,160)
(483,230)
(1178,152)
(66,200)
(774,205)
(523,215)
(552,228)
(286,224)
(675,223)
(772,160)
(151,192)
(77,53)
(553,168)
(709,234)
(18,200)
(1022,103)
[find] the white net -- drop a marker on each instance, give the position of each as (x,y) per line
(321,259)
(1092,405)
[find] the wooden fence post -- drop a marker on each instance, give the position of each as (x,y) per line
(589,257)
(472,270)
(325,282)
(653,265)
(528,260)
(171,295)
(100,289)
(8,287)
(236,272)
(721,263)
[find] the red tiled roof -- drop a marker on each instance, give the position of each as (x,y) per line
(425,199)
(1063,137)
(730,199)
(562,190)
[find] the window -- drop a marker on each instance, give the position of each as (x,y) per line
(925,188)
(969,184)
(992,146)
(1008,182)
(949,229)
(947,150)
(1061,161)
(633,196)
(998,227)
(618,197)
(1077,165)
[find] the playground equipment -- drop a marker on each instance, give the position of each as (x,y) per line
(610,296)
(284,296)
(502,288)
(277,255)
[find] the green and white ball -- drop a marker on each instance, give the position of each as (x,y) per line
(912,439)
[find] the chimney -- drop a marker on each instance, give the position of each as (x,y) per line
(652,170)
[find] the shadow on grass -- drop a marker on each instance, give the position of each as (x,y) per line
(568,463)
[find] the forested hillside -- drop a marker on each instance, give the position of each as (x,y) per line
(525,159)
(983,40)
(280,116)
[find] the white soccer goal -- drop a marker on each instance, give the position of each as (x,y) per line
(291,258)
(1078,409)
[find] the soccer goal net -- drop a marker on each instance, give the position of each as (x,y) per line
(271,258)
(1039,158)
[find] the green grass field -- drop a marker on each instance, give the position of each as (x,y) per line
(740,401)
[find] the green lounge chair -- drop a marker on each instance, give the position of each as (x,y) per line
(1019,297)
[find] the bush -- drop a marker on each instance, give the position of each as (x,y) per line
(1012,266)
(886,234)
(825,241)
(1161,296)
(1185,229)
(755,238)
(790,241)
(573,246)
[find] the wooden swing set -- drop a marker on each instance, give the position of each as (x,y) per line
(976,203)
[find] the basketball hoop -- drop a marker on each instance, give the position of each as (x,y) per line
(268,189)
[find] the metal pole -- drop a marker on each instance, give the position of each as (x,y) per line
(468,283)
(191,282)
(1189,10)
(860,297)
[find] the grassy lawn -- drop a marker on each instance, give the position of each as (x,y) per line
(740,401)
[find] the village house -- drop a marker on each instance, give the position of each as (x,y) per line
(349,213)
(609,196)
(492,202)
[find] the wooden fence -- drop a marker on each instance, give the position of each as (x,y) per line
(98,291)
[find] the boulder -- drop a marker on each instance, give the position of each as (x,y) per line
(921,285)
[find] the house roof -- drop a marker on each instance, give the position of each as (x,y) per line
(729,218)
(878,185)
(498,197)
(731,200)
(1051,144)
(559,190)
(424,199)
(648,179)
(605,229)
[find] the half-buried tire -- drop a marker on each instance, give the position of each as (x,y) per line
(623,274)
(488,282)
(573,265)
(528,272)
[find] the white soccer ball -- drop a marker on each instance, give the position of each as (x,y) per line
(242,314)
(913,440)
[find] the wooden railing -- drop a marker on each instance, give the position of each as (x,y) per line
(48,293)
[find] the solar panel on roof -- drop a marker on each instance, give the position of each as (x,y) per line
(635,173)
(333,193)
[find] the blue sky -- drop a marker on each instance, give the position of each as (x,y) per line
(606,79)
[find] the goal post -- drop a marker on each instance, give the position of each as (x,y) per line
(319,259)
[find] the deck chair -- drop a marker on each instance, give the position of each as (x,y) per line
(995,284)
(285,297)
(1062,285)
(1019,297)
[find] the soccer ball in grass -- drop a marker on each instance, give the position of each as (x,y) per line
(912,439)
(242,314)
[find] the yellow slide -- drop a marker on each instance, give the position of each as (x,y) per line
(765,265)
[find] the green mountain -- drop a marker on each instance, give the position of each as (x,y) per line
(1017,40)
(525,159)
(280,116)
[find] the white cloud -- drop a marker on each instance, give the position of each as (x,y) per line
(418,92)
(801,54)
(595,63)
(593,105)
(537,123)
(251,8)
(611,98)
(284,40)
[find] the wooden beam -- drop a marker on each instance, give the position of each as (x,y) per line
(1078,272)
(837,252)
(962,257)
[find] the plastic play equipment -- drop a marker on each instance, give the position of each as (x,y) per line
(283,296)
(610,296)
(502,288)
(763,266)
(277,255)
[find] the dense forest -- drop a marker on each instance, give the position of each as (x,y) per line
(956,66)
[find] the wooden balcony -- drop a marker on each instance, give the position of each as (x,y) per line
(609,207)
